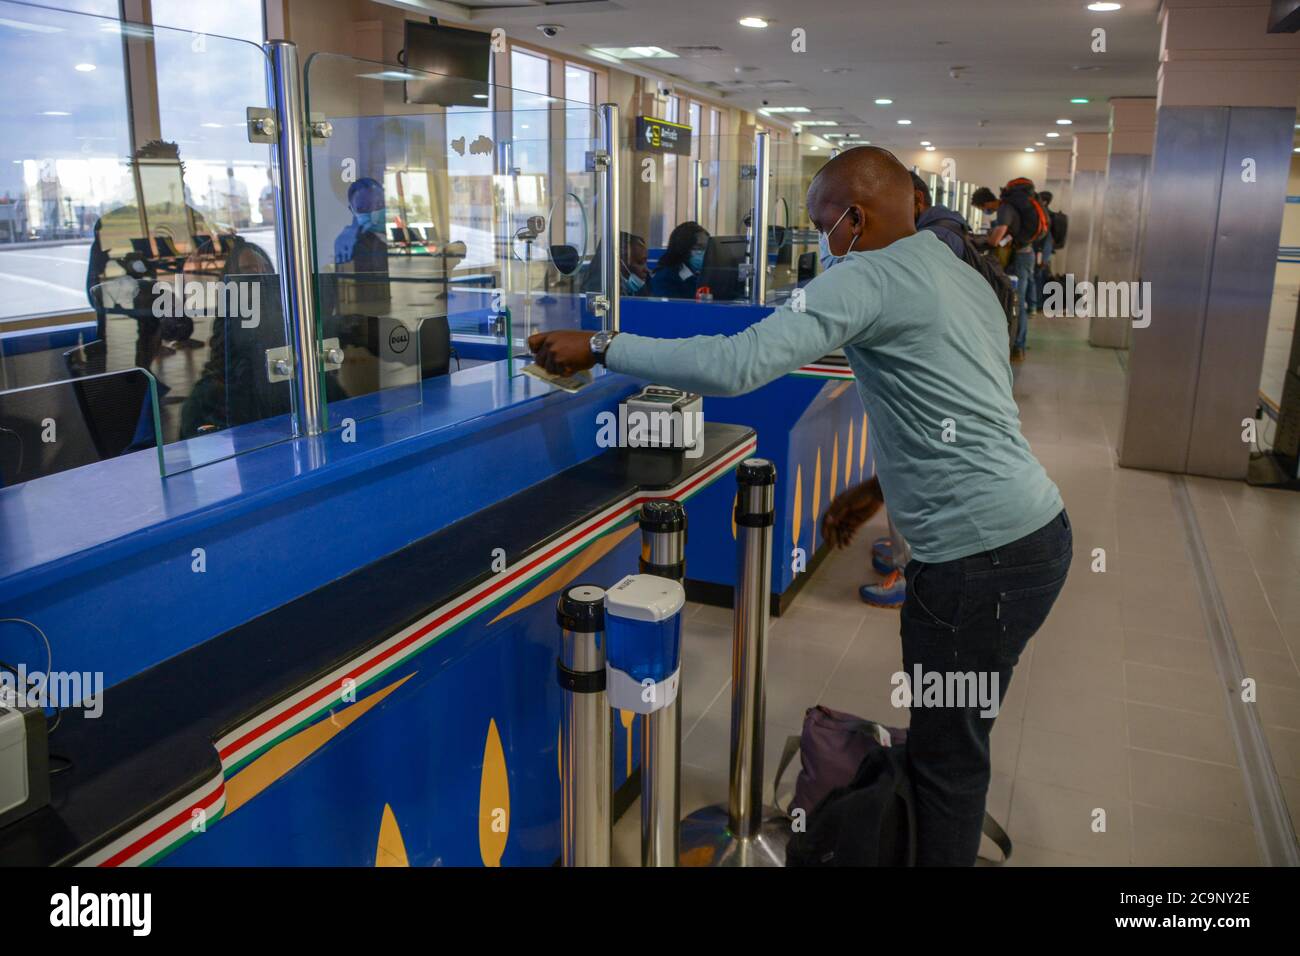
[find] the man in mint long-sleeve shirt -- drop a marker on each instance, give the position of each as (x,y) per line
(991,544)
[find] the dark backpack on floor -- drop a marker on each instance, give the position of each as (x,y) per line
(986,265)
(868,819)
(869,822)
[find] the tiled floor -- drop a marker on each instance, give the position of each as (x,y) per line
(1114,706)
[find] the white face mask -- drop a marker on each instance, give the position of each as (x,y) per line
(824,253)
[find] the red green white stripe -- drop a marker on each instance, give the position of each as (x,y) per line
(820,370)
(169,828)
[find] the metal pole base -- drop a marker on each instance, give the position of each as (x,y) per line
(707,840)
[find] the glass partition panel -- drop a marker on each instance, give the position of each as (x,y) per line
(448,211)
(137,235)
(50,427)
(721,217)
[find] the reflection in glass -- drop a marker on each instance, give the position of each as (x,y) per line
(136,225)
(485,236)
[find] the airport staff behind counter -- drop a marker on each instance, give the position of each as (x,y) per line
(678,273)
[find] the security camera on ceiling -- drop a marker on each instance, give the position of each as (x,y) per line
(550,29)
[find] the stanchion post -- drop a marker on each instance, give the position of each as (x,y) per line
(663,554)
(586,768)
(754,515)
(743,833)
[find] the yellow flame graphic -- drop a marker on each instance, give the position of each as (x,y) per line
(390,850)
(848,457)
(816,502)
(862,448)
(798,504)
(628,717)
(493,800)
(835,465)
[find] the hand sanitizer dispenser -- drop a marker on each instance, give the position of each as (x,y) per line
(643,631)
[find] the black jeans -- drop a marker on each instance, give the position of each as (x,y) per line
(968,621)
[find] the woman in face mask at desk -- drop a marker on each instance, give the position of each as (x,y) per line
(678,273)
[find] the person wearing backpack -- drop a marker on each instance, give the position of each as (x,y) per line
(954,230)
(1043,250)
(991,542)
(1019,221)
(949,226)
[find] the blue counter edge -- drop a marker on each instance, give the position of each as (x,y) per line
(239,485)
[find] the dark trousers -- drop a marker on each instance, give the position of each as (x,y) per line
(969,620)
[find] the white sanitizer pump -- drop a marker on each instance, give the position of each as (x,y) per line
(643,631)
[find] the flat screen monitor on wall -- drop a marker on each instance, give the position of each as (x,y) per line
(461,56)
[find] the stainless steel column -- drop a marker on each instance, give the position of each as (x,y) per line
(758,233)
(742,833)
(1209,252)
(663,553)
(1086,191)
(607,173)
(293,235)
(697,172)
(1118,233)
(586,767)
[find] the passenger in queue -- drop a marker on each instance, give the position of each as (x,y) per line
(1012,227)
(926,340)
(943,222)
(1043,250)
(678,273)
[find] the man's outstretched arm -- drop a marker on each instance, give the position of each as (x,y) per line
(839,307)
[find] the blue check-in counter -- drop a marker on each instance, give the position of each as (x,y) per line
(810,424)
(324,651)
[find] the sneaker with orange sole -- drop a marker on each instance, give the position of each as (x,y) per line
(889,593)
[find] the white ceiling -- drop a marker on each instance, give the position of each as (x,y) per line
(1020,61)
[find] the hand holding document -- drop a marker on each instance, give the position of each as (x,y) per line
(569,383)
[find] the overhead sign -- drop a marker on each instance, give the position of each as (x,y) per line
(660,136)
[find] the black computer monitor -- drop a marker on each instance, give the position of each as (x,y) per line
(721,272)
(807,267)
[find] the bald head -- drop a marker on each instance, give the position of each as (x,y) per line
(872,191)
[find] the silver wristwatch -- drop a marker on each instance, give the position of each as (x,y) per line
(599,343)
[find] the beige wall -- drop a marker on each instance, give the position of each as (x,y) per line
(984,167)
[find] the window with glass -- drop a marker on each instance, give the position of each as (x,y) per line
(137,250)
(668,187)
(579,131)
(530,79)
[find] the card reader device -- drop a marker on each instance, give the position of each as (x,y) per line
(660,416)
(659,427)
(24,762)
